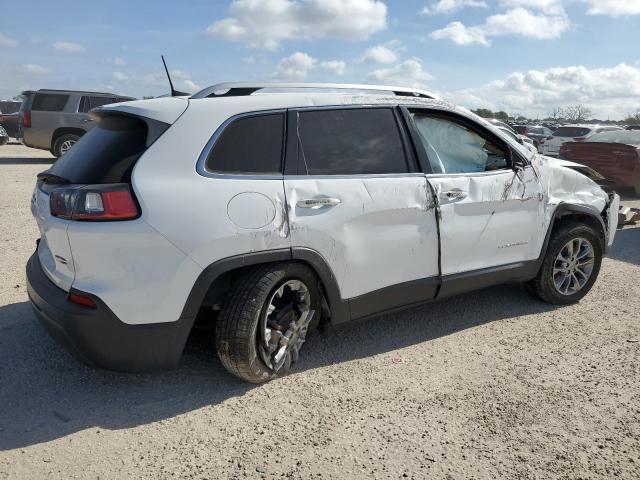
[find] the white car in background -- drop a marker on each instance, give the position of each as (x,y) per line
(571,133)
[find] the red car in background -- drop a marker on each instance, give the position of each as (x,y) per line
(615,155)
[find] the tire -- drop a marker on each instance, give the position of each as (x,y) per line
(237,338)
(544,285)
(63,143)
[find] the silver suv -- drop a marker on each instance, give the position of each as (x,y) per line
(266,209)
(56,119)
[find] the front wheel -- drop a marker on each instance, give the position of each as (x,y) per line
(265,320)
(571,265)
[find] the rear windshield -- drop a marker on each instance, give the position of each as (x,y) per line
(628,137)
(106,154)
(571,132)
(49,102)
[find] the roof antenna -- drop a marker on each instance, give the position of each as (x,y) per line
(174,92)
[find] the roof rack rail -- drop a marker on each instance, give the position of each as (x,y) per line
(239,89)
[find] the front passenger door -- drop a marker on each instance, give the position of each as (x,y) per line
(490,211)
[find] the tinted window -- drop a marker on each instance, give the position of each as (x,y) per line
(48,102)
(100,101)
(84,106)
(249,145)
(106,154)
(521,129)
(453,148)
(571,132)
(348,142)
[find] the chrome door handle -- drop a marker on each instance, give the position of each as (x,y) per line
(318,202)
(87,120)
(455,194)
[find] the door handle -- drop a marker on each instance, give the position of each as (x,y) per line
(455,194)
(318,202)
(87,120)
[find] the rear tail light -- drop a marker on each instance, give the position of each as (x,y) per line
(83,300)
(94,202)
(26,119)
(579,139)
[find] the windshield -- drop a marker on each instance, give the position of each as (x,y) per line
(628,137)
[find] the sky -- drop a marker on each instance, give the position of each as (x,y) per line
(521,56)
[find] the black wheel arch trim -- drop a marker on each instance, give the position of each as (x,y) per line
(565,209)
(338,307)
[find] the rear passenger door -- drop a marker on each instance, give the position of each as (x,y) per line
(355,196)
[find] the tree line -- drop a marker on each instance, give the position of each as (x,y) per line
(569,114)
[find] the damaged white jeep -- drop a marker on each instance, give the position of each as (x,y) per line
(270,208)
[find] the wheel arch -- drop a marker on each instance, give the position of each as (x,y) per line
(215,280)
(58,132)
(566,212)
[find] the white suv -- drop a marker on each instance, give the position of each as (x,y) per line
(571,133)
(271,208)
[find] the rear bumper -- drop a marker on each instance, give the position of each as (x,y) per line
(97,337)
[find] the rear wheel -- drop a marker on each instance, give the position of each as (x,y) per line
(265,320)
(63,143)
(571,265)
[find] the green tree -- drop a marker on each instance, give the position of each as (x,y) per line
(483,112)
(502,115)
(633,118)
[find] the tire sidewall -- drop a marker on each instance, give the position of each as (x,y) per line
(286,273)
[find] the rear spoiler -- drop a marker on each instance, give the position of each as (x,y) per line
(165,109)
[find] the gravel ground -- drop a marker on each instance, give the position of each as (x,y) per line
(492,384)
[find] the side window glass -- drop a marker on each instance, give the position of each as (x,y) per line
(49,102)
(350,142)
(84,106)
(100,101)
(249,145)
(453,148)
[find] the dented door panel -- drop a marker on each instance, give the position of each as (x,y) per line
(381,232)
(488,219)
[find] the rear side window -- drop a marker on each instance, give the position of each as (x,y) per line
(100,101)
(106,154)
(49,102)
(571,132)
(249,145)
(350,142)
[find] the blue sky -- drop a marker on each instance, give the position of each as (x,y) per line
(525,56)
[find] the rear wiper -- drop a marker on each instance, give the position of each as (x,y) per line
(52,179)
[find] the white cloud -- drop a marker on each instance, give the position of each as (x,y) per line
(119,62)
(409,73)
(446,7)
(385,53)
(554,7)
(6,41)
(69,47)
(337,67)
(191,86)
(267,23)
(120,77)
(613,8)
(517,21)
(612,91)
(461,35)
(296,65)
(36,69)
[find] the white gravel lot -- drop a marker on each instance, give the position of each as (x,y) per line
(492,384)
